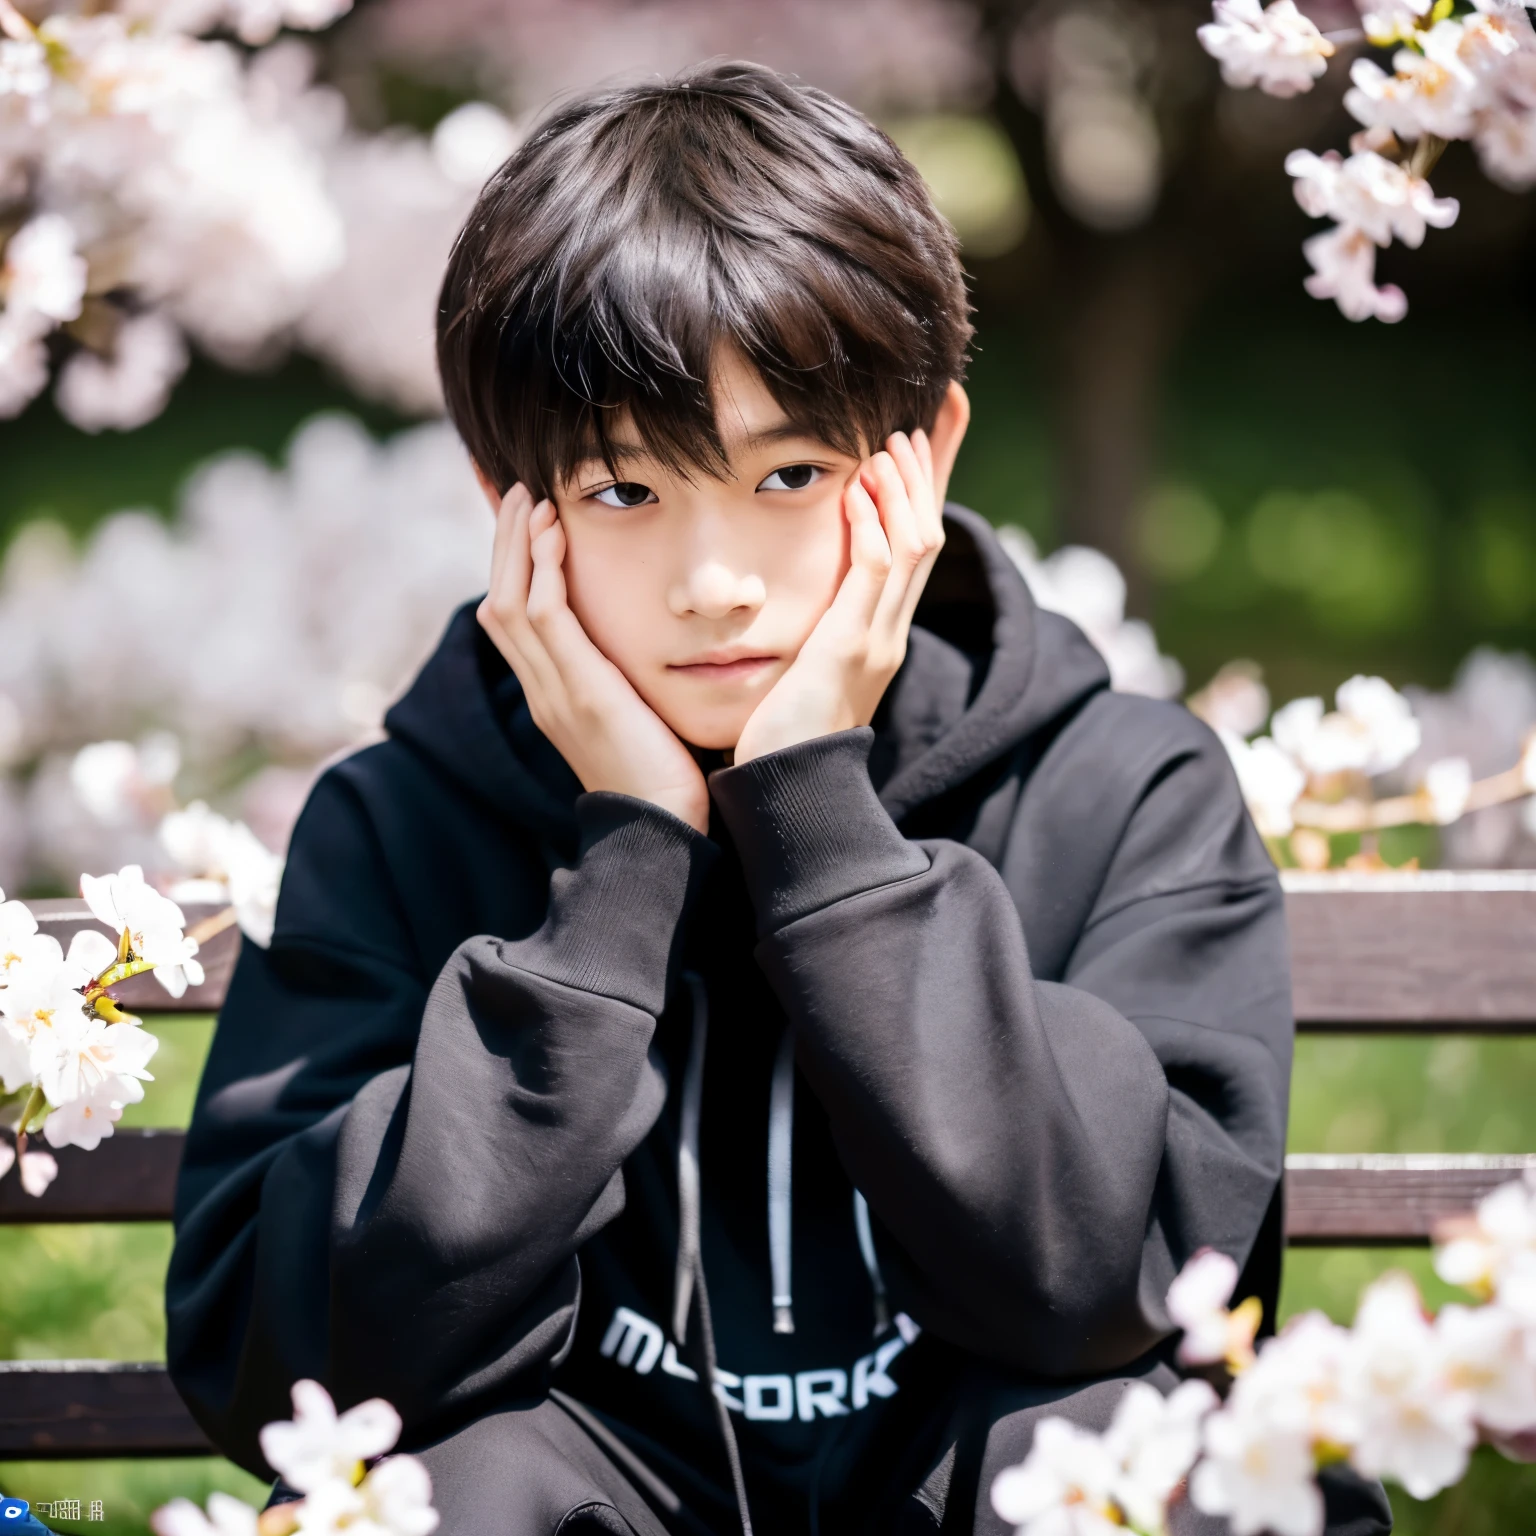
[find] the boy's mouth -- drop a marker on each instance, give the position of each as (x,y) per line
(725,666)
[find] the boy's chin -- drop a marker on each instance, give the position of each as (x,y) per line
(707,735)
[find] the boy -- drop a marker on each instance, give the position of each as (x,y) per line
(764,955)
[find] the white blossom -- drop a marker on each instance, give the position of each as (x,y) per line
(1270,781)
(86,1121)
(43,274)
(38,1171)
(1259,1477)
(1393,21)
(1087,587)
(7,1158)
(1447,786)
(1486,1351)
(131,386)
(1197,1303)
(1415,1427)
(154,925)
(1343,262)
(227,1516)
(318,1444)
(1482,1251)
(1153,1441)
(38,1002)
(1370,193)
(87,1056)
(395,1499)
(224,860)
(1372,730)
(1275,48)
(1062,1488)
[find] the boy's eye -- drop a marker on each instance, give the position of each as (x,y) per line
(627,493)
(793,477)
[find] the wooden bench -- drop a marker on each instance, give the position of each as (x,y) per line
(1439,953)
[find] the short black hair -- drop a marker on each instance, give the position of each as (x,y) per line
(641,227)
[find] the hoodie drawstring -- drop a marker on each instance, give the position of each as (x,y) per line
(871,1261)
(689,1275)
(781,1139)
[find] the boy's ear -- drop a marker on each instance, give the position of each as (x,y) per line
(488,486)
(947,433)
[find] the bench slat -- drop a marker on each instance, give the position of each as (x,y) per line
(1366,1198)
(67,1409)
(80,1409)
(1420,952)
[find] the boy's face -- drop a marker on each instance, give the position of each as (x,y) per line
(703,592)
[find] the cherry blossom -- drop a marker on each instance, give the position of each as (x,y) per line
(1275,48)
(86,1121)
(1485,1351)
(38,1170)
(1482,1251)
(1063,1487)
(224,861)
(395,1499)
(1343,262)
(88,1056)
(1371,731)
(1369,193)
(131,386)
(1415,1427)
(43,275)
(227,1516)
(1392,21)
(125,903)
(1154,1441)
(1447,786)
(1270,781)
(1257,1475)
(318,1444)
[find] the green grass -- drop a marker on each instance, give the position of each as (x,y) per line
(97,1291)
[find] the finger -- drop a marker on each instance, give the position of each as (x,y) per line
(515,504)
(524,648)
(930,516)
(883,480)
(919,492)
(568,647)
(869,559)
(507,594)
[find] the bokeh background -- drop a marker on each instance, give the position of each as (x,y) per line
(1273,483)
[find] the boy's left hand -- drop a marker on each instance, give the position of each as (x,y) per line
(896,531)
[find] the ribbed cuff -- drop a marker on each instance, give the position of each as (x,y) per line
(616,917)
(810,829)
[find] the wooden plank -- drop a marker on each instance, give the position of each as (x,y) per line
(65,917)
(1341,1200)
(1416,953)
(1378,1199)
(129,1177)
(63,1409)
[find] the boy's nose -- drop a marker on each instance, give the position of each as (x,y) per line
(712,590)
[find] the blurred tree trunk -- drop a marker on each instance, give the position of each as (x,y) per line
(1115,305)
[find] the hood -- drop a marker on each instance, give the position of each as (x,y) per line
(986,670)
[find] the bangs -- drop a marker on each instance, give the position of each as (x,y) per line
(640,234)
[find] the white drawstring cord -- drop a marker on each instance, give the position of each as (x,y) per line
(781,1139)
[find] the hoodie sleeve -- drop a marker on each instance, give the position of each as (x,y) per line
(388,1175)
(1041,1157)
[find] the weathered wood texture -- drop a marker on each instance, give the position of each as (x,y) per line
(1418,953)
(65,917)
(132,1177)
(59,1410)
(1385,1199)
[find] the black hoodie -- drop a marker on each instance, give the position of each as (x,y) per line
(1030,954)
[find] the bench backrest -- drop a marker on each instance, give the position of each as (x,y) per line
(1435,953)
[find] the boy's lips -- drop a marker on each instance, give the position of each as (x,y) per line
(725,666)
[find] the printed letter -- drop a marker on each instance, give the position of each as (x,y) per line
(628,1334)
(781,1404)
(824,1390)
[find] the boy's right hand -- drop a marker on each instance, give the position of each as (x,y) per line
(586,707)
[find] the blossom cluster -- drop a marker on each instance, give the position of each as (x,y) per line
(159,184)
(323,1456)
(1468,76)
(1314,769)
(1401,1395)
(64,1042)
(275,616)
